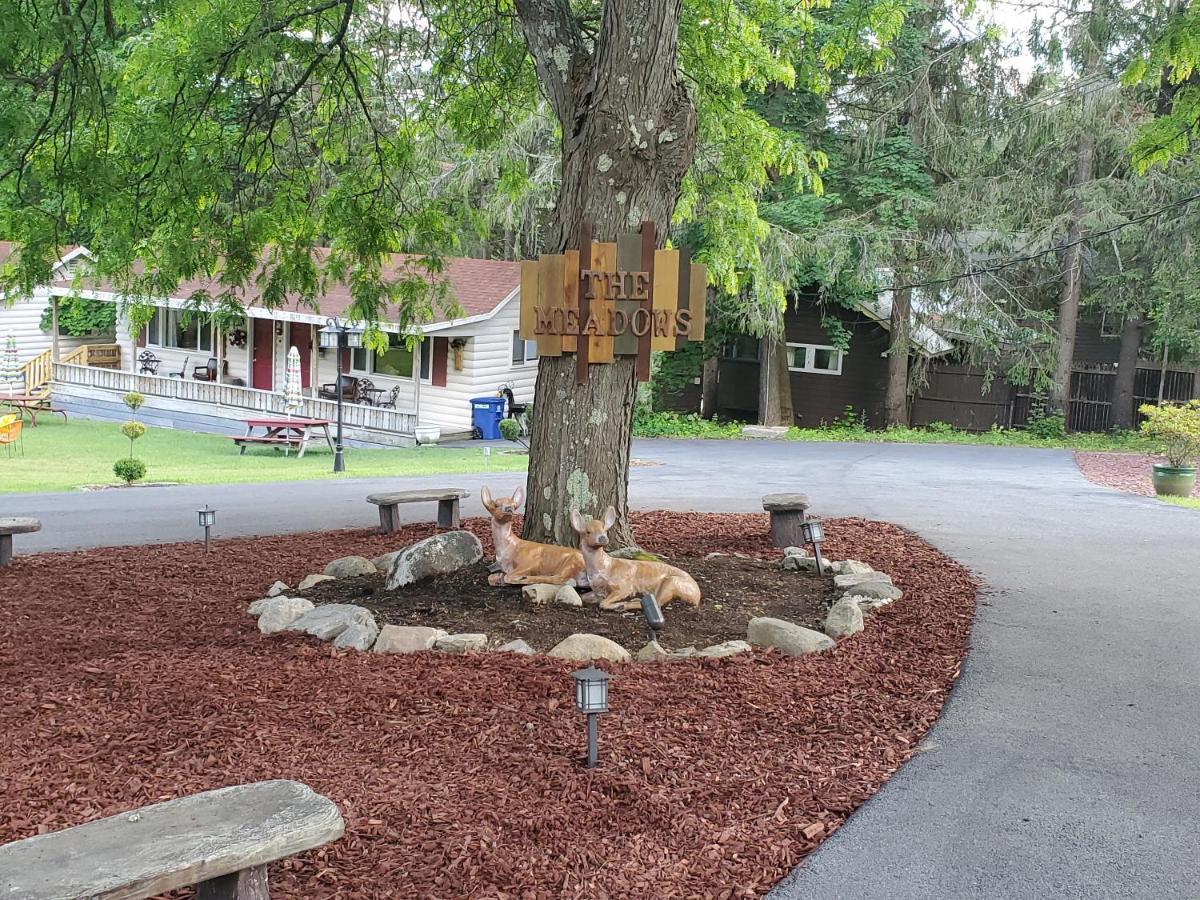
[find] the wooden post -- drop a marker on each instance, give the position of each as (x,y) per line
(248,884)
(54,329)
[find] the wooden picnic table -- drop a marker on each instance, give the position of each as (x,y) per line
(286,432)
(32,404)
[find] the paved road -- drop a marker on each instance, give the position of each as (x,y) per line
(1064,763)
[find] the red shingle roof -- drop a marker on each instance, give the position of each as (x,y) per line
(479,285)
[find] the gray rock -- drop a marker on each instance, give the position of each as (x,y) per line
(568,596)
(358,637)
(468,642)
(328,621)
(844,618)
(438,555)
(764,432)
(792,639)
(406,638)
(384,563)
(726,648)
(585,647)
(801,564)
(682,653)
(845,582)
(851,567)
(277,588)
(517,646)
(277,613)
(311,581)
(350,567)
(875,590)
(653,652)
(869,605)
(539,594)
(796,551)
(256,608)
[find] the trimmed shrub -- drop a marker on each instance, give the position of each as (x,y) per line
(129,469)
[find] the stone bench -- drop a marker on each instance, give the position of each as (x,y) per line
(389,506)
(10,525)
(221,841)
(787,511)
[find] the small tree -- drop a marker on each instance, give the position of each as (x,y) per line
(130,469)
(1177,428)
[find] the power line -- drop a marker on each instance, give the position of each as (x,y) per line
(1057,248)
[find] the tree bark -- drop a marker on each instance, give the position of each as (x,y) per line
(1123,413)
(774,384)
(708,386)
(629,136)
(896,402)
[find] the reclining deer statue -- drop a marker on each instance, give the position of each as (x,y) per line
(622,582)
(527,562)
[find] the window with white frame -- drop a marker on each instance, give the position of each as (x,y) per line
(816,358)
(395,362)
(741,348)
(523,352)
(181,330)
(1111,325)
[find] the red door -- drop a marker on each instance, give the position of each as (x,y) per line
(301,338)
(262,373)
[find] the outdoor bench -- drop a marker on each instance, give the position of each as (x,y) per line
(221,841)
(389,506)
(10,525)
(788,512)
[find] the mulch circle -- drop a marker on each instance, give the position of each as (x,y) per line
(1132,473)
(735,590)
(134,675)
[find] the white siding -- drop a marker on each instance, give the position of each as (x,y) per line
(23,320)
(174,360)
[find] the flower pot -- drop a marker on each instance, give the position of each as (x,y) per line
(1174,481)
(428,434)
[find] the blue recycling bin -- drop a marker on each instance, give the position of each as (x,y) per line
(486,413)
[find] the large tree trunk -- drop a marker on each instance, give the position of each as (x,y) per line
(629,136)
(1123,413)
(774,384)
(896,402)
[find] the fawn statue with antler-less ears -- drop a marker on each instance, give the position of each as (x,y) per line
(622,582)
(527,562)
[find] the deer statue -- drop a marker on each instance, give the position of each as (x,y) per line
(527,562)
(620,583)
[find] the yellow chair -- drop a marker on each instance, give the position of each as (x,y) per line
(10,433)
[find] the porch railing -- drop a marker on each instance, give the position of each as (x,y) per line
(247,402)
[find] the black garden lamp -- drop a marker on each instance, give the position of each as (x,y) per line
(653,613)
(591,699)
(337,335)
(208,518)
(812,533)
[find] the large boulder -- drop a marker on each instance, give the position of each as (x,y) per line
(277,613)
(277,588)
(788,637)
(437,555)
(517,646)
(726,648)
(653,652)
(793,563)
(568,596)
(311,581)
(844,619)
(467,642)
(359,636)
(587,647)
(329,621)
(539,594)
(875,590)
(845,582)
(851,567)
(384,563)
(350,567)
(407,638)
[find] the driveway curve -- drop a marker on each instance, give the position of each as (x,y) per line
(1064,763)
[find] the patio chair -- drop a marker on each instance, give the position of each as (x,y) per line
(148,363)
(364,393)
(389,402)
(10,433)
(208,371)
(349,389)
(182,373)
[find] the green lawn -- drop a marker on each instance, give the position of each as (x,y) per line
(61,457)
(1189,502)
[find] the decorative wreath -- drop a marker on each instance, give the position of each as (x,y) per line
(237,338)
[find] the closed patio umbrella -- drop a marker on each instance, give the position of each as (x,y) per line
(291,385)
(10,368)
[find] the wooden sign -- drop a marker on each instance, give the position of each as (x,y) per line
(605,300)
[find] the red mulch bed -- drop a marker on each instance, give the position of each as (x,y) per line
(134,675)
(1128,472)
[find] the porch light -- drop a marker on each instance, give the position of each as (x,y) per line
(208,518)
(813,534)
(591,699)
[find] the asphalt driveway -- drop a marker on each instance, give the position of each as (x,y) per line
(1064,763)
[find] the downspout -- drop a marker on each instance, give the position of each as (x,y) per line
(417,376)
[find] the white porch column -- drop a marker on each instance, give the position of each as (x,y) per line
(53,328)
(417,376)
(314,357)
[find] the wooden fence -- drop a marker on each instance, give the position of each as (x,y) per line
(1091,396)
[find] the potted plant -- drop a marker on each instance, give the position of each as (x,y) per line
(428,434)
(1177,428)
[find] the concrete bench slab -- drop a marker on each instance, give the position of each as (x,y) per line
(10,525)
(220,840)
(389,505)
(787,511)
